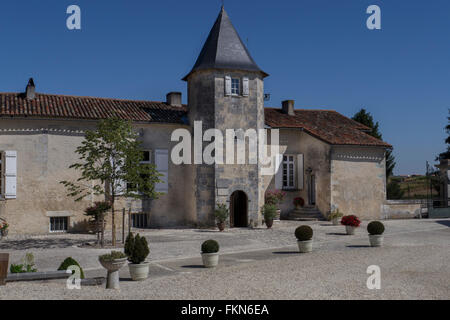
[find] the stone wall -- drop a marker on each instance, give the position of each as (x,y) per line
(358,181)
(401,209)
(208,103)
(46,149)
(316,154)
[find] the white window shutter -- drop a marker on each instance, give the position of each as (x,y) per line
(10,174)
(162,166)
(228,86)
(121,185)
(300,172)
(279,171)
(245,88)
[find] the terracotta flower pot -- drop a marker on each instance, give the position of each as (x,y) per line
(269,223)
(221,226)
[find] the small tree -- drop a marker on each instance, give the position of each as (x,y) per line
(365,118)
(446,154)
(110,165)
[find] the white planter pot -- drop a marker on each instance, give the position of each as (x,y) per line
(139,271)
(350,230)
(335,221)
(210,260)
(376,240)
(305,246)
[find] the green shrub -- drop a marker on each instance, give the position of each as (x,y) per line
(304,233)
(26,266)
(269,211)
(221,212)
(136,248)
(71,262)
(16,268)
(114,255)
(336,214)
(210,246)
(375,228)
(129,244)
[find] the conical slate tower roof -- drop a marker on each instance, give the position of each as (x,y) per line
(224,49)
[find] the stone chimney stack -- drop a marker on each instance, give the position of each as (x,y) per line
(288,107)
(174,99)
(30,91)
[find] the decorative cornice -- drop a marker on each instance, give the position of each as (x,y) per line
(41,131)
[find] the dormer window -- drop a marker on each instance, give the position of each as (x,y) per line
(235,86)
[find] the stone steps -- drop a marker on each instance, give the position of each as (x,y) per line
(305,214)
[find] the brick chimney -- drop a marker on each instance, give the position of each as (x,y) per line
(30,91)
(174,99)
(288,107)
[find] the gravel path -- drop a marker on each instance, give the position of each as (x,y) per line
(168,244)
(414,265)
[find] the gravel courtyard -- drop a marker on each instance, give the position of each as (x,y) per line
(258,264)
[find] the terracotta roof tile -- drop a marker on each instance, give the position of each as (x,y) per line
(327,125)
(71,107)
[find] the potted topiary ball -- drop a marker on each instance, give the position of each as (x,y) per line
(136,248)
(375,229)
(351,223)
(304,236)
(210,253)
(113,262)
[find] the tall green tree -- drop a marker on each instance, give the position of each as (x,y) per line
(366,119)
(110,165)
(446,154)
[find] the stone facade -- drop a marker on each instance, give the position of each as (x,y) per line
(358,180)
(208,103)
(43,131)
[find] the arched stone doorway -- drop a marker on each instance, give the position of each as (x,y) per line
(238,210)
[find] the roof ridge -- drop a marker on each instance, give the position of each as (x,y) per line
(91,97)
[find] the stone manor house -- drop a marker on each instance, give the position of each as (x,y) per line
(327,158)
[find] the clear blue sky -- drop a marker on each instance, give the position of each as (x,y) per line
(317,52)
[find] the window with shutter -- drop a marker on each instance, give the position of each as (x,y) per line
(300,172)
(146,159)
(278,172)
(288,172)
(235,87)
(228,86)
(162,166)
(10,174)
(245,87)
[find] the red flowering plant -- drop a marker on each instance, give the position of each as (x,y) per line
(352,221)
(275,197)
(3,225)
(299,202)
